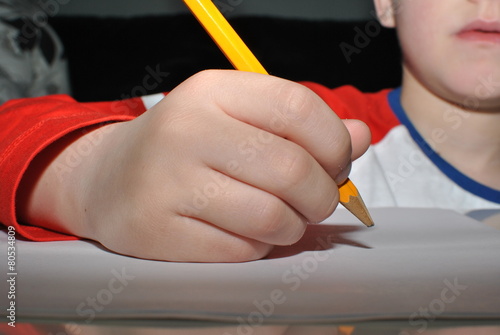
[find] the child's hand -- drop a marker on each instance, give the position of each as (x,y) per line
(226,166)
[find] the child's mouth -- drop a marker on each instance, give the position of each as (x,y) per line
(480,31)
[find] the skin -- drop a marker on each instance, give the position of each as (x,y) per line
(228,165)
(444,75)
(265,154)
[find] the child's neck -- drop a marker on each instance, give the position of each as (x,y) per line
(469,140)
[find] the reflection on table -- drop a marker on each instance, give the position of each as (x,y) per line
(383,328)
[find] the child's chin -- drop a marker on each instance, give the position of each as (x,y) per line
(475,89)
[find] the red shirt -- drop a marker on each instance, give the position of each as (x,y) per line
(30,125)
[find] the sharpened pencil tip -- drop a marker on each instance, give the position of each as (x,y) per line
(357,207)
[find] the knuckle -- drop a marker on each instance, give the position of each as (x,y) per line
(271,217)
(294,102)
(276,225)
(295,233)
(201,84)
(324,208)
(291,167)
(202,77)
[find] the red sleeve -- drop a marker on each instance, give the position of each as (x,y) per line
(30,125)
(349,103)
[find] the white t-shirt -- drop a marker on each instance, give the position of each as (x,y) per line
(402,170)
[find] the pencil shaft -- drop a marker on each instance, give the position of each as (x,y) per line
(225,36)
(244,60)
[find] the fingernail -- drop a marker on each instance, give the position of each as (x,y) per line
(343,174)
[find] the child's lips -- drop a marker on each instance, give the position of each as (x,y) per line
(481,31)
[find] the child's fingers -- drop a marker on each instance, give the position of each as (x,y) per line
(284,108)
(275,165)
(242,209)
(185,239)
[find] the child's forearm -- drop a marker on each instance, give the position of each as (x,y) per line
(52,190)
(28,127)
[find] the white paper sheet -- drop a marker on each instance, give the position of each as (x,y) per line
(415,265)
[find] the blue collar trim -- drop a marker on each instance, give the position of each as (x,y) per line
(459,178)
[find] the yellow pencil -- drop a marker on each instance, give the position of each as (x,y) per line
(243,59)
